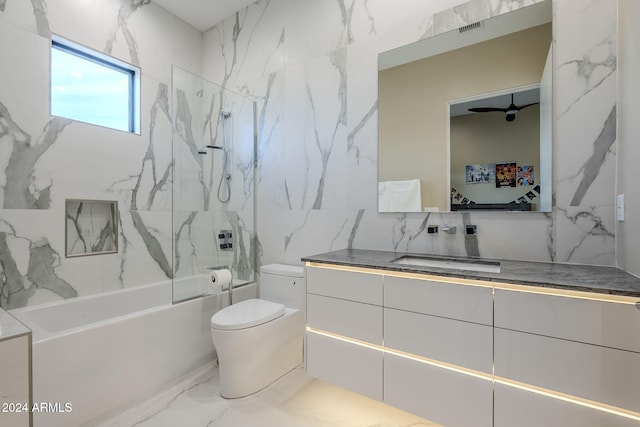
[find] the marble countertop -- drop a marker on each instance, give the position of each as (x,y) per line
(589,278)
(10,327)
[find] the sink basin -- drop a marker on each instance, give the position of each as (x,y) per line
(455,264)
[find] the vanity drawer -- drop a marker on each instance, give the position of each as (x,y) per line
(605,323)
(14,382)
(349,285)
(459,343)
(600,374)
(350,366)
(454,301)
(348,318)
(521,408)
(446,397)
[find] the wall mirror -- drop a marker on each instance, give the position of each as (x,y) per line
(465,118)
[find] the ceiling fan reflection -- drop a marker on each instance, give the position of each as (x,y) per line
(510,111)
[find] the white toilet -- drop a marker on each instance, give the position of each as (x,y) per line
(260,340)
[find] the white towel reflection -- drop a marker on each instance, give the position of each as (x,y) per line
(399,196)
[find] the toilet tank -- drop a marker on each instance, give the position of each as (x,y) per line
(285,284)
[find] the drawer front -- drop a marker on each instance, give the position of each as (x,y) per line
(462,302)
(361,287)
(460,343)
(350,366)
(596,373)
(439,395)
(515,407)
(348,318)
(14,381)
(609,324)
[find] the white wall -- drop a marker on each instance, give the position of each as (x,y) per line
(312,66)
(628,243)
(84,161)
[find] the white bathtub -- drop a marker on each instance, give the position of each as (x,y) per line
(98,353)
(186,288)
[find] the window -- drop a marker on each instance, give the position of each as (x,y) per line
(92,87)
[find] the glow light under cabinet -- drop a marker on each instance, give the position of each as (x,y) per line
(599,406)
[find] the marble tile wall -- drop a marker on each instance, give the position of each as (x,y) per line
(45,160)
(312,67)
(214,190)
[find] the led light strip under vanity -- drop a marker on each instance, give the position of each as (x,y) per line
(494,379)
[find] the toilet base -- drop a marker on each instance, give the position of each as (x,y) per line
(251,359)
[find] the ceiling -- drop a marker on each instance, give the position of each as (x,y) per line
(203,14)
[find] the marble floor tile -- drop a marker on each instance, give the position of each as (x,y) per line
(296,400)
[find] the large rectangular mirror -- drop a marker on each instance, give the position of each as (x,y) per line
(465,118)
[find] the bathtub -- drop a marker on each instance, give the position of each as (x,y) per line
(92,355)
(186,288)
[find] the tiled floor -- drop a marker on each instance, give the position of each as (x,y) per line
(296,400)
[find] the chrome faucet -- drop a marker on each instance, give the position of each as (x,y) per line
(449,229)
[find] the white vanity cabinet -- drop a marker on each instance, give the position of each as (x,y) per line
(446,328)
(448,299)
(465,353)
(15,373)
(409,342)
(584,348)
(345,305)
(521,408)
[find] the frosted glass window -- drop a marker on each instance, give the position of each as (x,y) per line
(91,87)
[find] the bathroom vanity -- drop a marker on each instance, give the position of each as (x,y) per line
(15,372)
(535,344)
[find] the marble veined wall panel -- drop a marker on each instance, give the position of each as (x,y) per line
(585,108)
(198,247)
(45,160)
(317,169)
(214,178)
(30,16)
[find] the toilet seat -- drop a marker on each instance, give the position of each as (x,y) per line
(245,314)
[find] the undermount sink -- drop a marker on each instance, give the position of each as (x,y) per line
(455,264)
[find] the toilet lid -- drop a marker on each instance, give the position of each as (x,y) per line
(246,314)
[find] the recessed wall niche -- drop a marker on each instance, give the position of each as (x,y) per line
(91,227)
